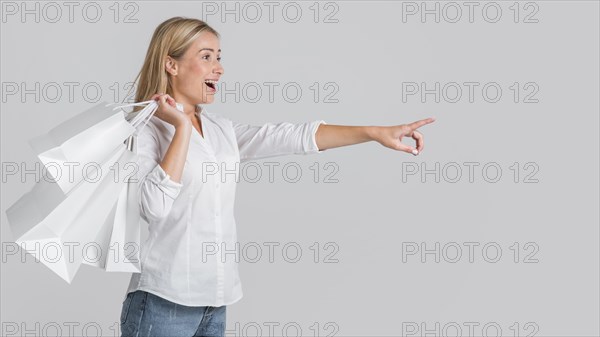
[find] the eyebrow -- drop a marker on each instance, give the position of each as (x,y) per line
(208,49)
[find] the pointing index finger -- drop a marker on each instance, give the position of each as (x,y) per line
(418,124)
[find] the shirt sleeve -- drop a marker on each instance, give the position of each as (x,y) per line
(276,139)
(157,191)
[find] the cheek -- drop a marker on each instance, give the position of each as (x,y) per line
(197,69)
(194,75)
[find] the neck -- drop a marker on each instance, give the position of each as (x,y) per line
(188,109)
(182,102)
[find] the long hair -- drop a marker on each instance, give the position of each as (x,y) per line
(171,38)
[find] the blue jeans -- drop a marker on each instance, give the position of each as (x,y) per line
(145,314)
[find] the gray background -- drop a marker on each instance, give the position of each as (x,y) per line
(370,212)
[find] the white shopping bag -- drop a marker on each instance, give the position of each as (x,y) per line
(86,140)
(75,218)
(120,235)
(60,229)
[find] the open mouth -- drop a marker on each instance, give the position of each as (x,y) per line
(212,85)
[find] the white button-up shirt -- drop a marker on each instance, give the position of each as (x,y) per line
(191,223)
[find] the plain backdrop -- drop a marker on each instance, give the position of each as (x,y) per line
(364,210)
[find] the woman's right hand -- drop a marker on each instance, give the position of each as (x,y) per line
(167,110)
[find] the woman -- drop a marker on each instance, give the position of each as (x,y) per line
(187,156)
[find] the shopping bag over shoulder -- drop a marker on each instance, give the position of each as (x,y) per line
(85,140)
(125,257)
(120,235)
(64,223)
(60,231)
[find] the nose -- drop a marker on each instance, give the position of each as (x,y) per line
(219,69)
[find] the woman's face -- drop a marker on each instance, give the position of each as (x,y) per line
(193,73)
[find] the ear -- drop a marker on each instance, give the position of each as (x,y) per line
(171,66)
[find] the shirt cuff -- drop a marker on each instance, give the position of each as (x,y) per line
(313,148)
(164,182)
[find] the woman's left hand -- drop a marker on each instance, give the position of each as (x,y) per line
(391,136)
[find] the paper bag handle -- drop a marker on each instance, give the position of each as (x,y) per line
(143,116)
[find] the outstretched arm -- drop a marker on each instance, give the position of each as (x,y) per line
(330,136)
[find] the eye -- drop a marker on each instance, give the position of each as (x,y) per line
(208,55)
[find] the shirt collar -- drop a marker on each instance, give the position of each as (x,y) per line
(199,109)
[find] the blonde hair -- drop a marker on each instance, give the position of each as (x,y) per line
(171,38)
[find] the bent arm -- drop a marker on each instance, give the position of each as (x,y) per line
(174,159)
(160,179)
